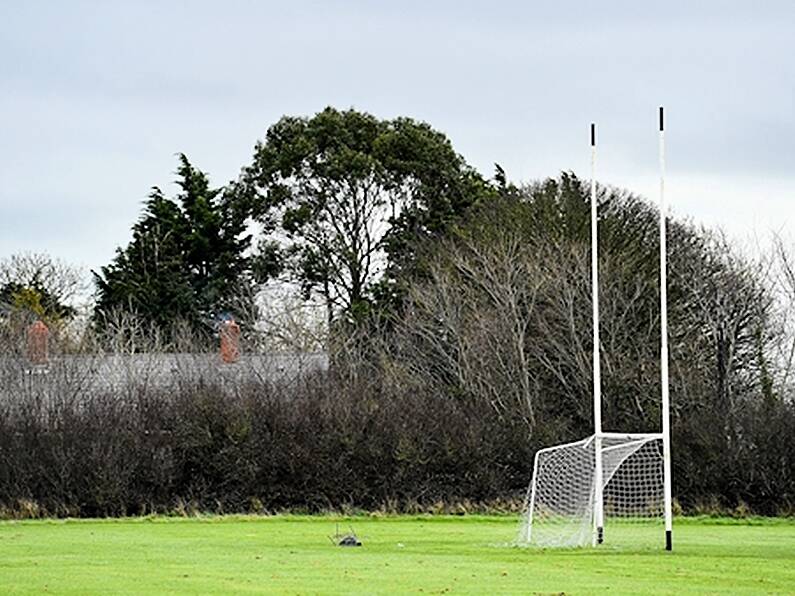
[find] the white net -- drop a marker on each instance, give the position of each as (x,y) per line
(562,499)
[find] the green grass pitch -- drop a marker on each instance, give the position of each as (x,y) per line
(401,554)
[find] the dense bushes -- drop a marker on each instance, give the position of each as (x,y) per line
(325,444)
(317,445)
(754,471)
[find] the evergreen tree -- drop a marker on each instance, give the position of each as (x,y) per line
(185,261)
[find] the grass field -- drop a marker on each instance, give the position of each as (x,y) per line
(457,555)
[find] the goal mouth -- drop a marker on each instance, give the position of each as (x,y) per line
(563,505)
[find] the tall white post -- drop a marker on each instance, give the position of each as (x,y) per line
(666,405)
(597,371)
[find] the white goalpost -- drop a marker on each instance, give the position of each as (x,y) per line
(609,487)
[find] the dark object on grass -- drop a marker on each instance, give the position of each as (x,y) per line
(350,539)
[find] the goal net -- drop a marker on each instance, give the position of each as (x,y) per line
(563,502)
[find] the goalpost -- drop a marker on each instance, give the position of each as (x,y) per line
(623,479)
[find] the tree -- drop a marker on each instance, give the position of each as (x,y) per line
(505,314)
(349,193)
(468,321)
(41,286)
(185,262)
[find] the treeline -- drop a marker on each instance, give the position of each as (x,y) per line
(457,318)
(341,200)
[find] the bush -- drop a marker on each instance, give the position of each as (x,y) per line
(319,444)
(322,443)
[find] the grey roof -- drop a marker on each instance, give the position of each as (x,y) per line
(118,373)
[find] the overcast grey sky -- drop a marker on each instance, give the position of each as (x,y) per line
(97,97)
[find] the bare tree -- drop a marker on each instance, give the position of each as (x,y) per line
(468,323)
(783,284)
(289,323)
(65,283)
(728,306)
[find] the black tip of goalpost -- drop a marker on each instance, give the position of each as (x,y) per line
(593,134)
(600,535)
(662,120)
(668,545)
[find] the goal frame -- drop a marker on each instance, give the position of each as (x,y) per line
(599,434)
(598,533)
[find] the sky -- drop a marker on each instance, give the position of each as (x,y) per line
(97,98)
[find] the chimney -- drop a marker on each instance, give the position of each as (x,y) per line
(38,339)
(230,342)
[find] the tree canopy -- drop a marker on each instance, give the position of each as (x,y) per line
(186,261)
(504,317)
(40,286)
(351,195)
